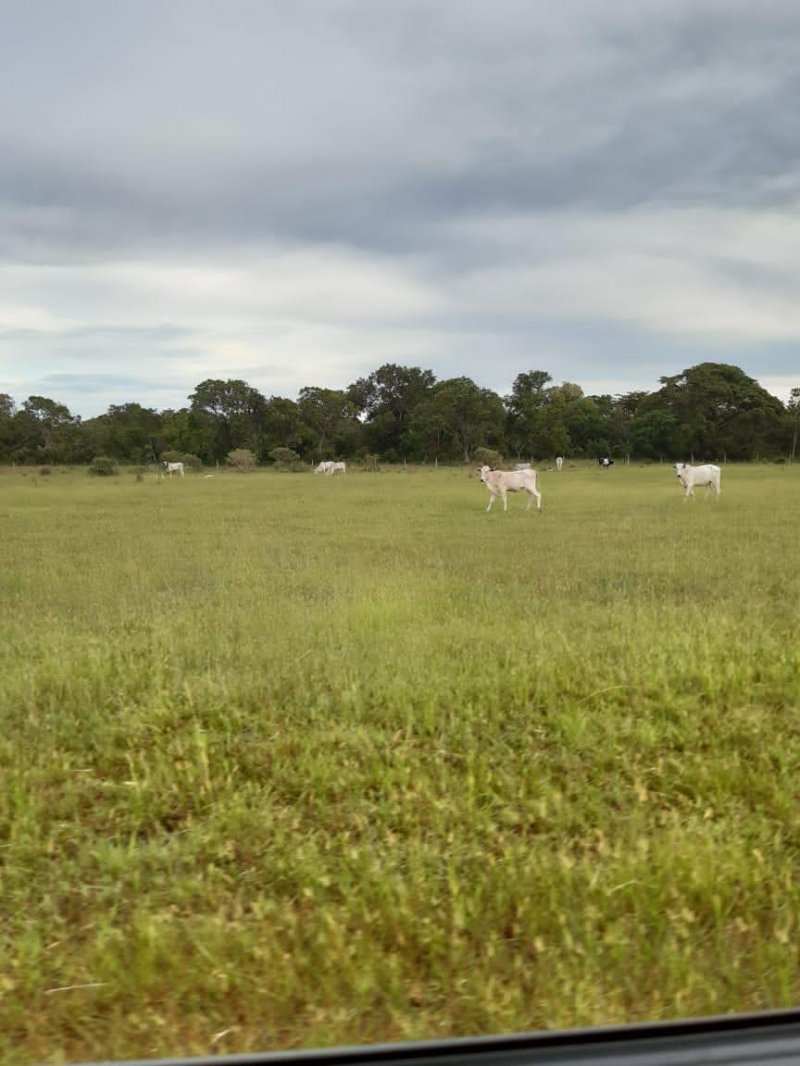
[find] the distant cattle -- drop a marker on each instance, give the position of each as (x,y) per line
(709,476)
(605,462)
(522,466)
(173,468)
(338,468)
(324,468)
(559,462)
(500,482)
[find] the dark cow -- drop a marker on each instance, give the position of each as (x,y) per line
(604,461)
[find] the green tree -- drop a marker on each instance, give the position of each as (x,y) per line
(793,407)
(283,426)
(525,409)
(457,417)
(7,409)
(386,400)
(331,419)
(128,431)
(227,415)
(44,431)
(722,413)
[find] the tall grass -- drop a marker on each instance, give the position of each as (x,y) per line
(292,761)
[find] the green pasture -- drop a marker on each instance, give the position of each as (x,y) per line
(287,760)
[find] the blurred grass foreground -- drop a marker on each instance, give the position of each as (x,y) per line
(299,761)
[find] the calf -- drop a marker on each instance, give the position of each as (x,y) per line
(500,482)
(559,462)
(605,462)
(708,475)
(173,468)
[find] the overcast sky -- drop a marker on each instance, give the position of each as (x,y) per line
(295,192)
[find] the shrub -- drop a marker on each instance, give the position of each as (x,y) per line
(102,466)
(191,462)
(241,459)
(286,459)
(488,457)
(171,457)
(44,471)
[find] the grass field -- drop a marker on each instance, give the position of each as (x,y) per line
(292,761)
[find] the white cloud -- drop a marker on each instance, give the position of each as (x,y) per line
(733,274)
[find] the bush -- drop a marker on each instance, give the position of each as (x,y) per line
(102,466)
(286,459)
(191,462)
(241,459)
(44,471)
(488,457)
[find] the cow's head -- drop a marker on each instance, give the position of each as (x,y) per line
(483,471)
(679,469)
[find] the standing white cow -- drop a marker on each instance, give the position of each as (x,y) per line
(324,467)
(708,475)
(338,468)
(559,462)
(173,468)
(500,482)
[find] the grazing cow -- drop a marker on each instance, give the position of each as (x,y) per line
(338,468)
(708,475)
(559,462)
(605,462)
(324,467)
(522,466)
(500,482)
(173,468)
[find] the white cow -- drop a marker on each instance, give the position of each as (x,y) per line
(324,467)
(338,468)
(522,466)
(173,468)
(500,482)
(559,462)
(708,475)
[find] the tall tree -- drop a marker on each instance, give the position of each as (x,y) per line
(721,412)
(229,414)
(283,426)
(460,415)
(331,419)
(525,407)
(45,431)
(7,409)
(793,408)
(386,401)
(132,432)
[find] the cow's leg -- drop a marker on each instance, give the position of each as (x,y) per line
(491,501)
(505,500)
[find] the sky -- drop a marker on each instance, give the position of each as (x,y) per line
(295,192)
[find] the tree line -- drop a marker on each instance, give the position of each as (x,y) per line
(709,411)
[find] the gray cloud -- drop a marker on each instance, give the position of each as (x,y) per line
(309,188)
